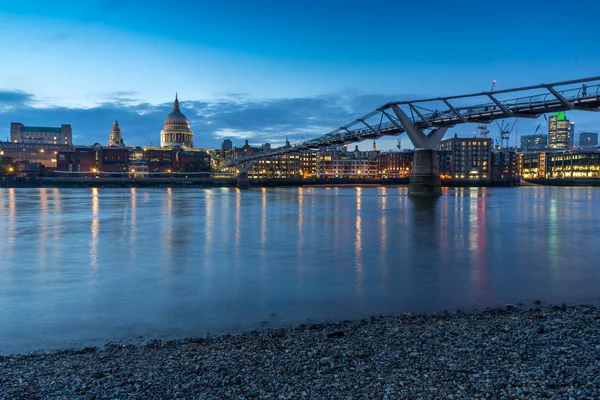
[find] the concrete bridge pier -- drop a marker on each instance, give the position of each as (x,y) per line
(242,180)
(425,175)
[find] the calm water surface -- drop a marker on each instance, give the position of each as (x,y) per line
(86,266)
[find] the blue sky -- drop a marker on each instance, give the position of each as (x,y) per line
(262,69)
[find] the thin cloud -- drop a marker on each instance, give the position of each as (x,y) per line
(232,117)
(15,98)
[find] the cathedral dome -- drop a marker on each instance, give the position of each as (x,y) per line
(177,117)
(177,130)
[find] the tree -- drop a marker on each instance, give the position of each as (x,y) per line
(6,165)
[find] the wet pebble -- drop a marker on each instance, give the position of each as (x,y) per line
(504,353)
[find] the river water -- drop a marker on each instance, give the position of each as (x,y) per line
(88,266)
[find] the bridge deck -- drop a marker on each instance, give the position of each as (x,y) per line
(581,94)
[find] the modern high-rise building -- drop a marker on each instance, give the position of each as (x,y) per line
(534,142)
(588,139)
(571,134)
(20,133)
(560,131)
(227,144)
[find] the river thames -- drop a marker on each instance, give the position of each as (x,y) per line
(87,266)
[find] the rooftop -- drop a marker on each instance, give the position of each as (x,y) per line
(40,129)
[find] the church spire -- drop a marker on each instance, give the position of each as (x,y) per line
(176,105)
(116,138)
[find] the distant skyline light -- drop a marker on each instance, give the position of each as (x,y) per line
(266,69)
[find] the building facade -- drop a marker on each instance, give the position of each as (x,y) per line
(20,133)
(470,157)
(141,161)
(561,164)
(35,153)
(534,142)
(560,131)
(395,164)
(506,164)
(588,139)
(227,145)
(177,131)
(338,163)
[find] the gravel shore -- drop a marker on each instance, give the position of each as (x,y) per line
(512,353)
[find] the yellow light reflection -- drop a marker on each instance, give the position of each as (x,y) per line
(553,240)
(300,247)
(168,238)
(473,219)
(12,212)
(300,211)
(209,204)
(263,221)
(95,229)
(238,211)
(477,235)
(43,225)
(358,242)
(209,235)
(133,220)
(383,205)
(383,238)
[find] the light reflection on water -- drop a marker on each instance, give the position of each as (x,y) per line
(86,266)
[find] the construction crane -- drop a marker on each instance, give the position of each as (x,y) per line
(505,131)
(482,129)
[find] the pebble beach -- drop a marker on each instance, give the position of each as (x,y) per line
(509,353)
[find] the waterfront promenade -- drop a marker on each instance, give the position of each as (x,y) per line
(510,353)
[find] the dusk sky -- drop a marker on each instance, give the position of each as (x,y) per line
(264,69)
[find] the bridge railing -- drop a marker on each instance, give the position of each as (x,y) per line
(571,94)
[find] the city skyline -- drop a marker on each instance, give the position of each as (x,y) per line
(258,72)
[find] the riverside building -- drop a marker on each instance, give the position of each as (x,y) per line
(560,131)
(20,133)
(561,165)
(470,157)
(534,142)
(175,155)
(588,139)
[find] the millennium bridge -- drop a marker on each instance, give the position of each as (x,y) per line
(426,121)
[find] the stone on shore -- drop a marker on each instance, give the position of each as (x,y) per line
(548,352)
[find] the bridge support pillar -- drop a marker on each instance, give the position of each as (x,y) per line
(425,175)
(242,180)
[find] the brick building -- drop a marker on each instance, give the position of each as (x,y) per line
(113,161)
(471,157)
